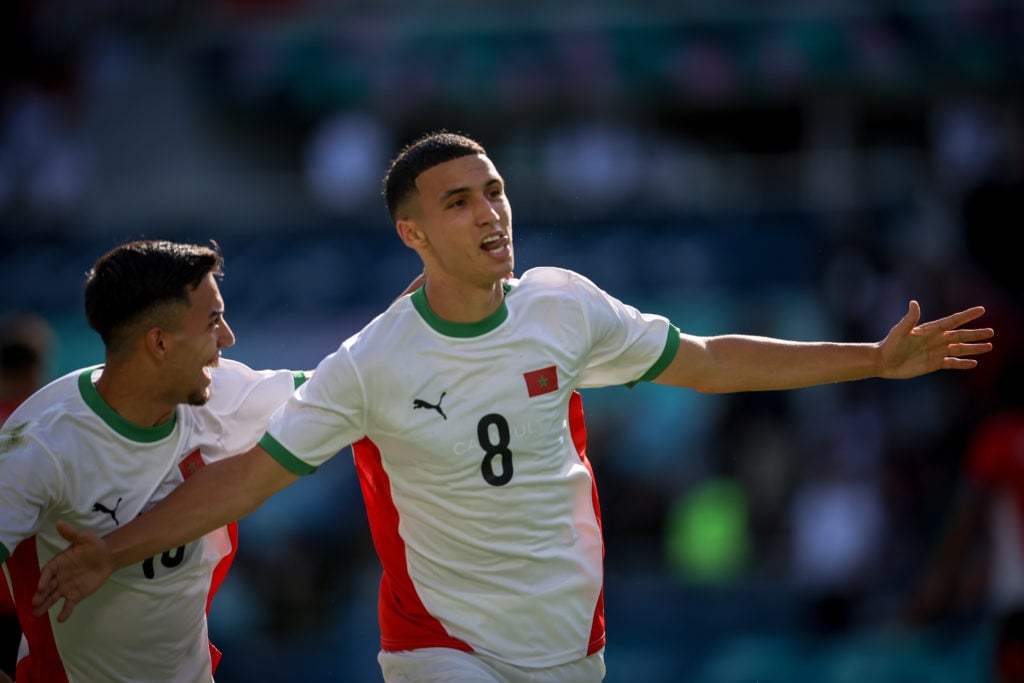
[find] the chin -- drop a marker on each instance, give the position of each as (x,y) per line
(199,397)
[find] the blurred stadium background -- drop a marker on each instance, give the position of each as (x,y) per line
(798,168)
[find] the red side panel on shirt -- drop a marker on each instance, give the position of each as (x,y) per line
(405,623)
(578,429)
(219,573)
(6,601)
(188,466)
(42,665)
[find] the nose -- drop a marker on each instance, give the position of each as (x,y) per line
(226,338)
(487,212)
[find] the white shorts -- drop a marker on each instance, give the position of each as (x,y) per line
(445,665)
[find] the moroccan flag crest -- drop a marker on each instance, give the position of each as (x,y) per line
(542,381)
(191,464)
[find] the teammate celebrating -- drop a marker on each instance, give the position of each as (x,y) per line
(461,402)
(102,445)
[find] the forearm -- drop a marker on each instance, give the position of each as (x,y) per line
(215,495)
(730,363)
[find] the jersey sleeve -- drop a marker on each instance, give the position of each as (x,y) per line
(322,417)
(624,345)
(243,400)
(30,485)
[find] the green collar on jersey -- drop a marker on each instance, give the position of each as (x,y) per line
(464,330)
(127,429)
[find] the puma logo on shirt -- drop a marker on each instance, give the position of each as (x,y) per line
(420,403)
(100,507)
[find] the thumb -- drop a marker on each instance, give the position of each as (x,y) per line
(910,319)
(69,532)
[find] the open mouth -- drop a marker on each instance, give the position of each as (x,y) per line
(212,364)
(495,244)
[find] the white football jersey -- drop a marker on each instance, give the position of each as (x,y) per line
(480,498)
(66,455)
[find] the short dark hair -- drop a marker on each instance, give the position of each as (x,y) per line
(131,280)
(421,155)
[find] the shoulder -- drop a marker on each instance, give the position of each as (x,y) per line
(49,421)
(388,329)
(556,278)
(233,370)
(548,276)
(52,400)
(556,282)
(235,384)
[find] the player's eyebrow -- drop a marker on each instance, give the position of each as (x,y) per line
(452,192)
(459,190)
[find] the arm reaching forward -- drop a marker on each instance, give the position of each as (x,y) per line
(745,363)
(214,496)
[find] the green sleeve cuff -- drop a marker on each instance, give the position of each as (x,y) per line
(300,377)
(284,457)
(667,354)
(4,553)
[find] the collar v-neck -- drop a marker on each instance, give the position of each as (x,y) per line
(461,330)
(127,429)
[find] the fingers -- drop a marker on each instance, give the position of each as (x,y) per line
(959,350)
(41,604)
(65,613)
(971,335)
(958,363)
(47,588)
(46,594)
(69,532)
(955,320)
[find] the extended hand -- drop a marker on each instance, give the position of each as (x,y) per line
(74,574)
(911,349)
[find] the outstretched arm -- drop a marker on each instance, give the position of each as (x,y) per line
(214,496)
(745,363)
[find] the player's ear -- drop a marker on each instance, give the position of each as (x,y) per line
(155,340)
(411,234)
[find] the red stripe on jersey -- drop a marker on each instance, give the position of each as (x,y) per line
(219,573)
(578,429)
(6,601)
(42,664)
(405,623)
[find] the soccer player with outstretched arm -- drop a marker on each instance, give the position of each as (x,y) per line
(461,401)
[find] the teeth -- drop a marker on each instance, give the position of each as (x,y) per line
(492,238)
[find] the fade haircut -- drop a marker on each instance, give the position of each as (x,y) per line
(419,156)
(141,281)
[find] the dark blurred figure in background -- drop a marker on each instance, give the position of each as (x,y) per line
(26,344)
(979,558)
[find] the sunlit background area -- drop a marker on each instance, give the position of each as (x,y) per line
(794,168)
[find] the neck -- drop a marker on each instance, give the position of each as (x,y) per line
(134,398)
(461,303)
